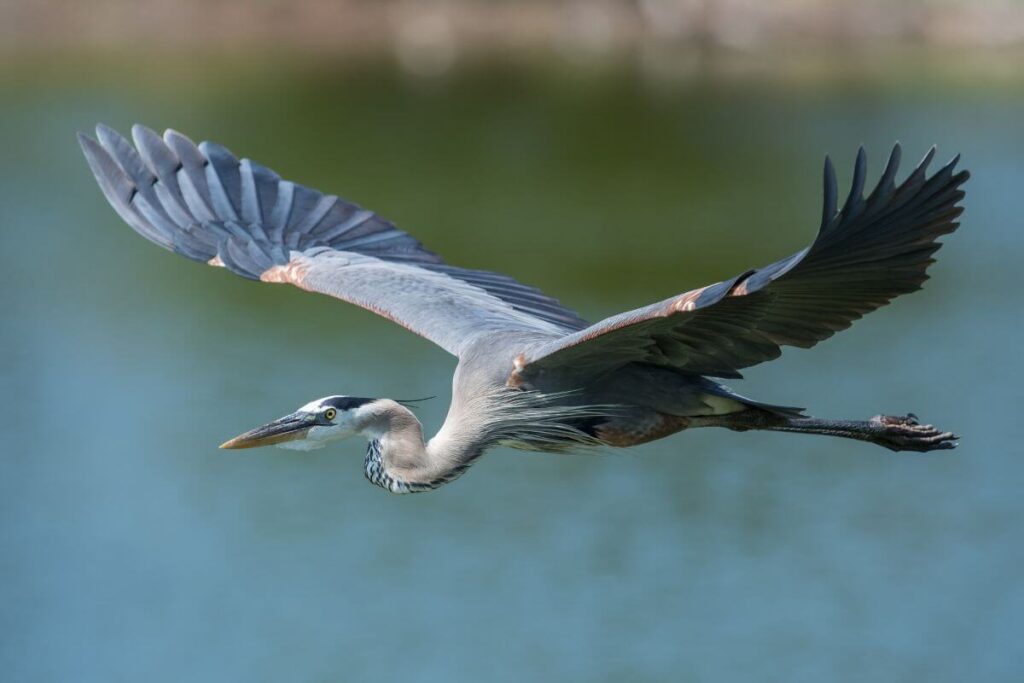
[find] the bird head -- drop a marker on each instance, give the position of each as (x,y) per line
(312,426)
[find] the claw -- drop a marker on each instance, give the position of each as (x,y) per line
(907,434)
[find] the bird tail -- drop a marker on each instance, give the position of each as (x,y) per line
(722,391)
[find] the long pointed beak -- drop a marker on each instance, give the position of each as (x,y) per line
(288,428)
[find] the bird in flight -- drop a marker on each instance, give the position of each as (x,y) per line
(531,373)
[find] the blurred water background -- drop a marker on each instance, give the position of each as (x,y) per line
(132,549)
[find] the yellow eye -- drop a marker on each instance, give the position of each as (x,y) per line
(330,413)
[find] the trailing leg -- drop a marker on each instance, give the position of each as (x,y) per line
(892,432)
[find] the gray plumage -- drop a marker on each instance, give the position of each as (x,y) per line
(531,372)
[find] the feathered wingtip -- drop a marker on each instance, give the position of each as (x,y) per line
(832,216)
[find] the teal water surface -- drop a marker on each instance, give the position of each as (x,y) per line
(132,549)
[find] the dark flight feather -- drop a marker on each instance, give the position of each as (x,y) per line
(865,254)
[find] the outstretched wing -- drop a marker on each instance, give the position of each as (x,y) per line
(865,255)
(202,202)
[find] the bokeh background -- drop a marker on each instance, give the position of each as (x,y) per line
(612,153)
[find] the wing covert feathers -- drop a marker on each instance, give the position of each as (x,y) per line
(202,202)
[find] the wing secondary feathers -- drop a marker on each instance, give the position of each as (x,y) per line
(869,252)
(203,203)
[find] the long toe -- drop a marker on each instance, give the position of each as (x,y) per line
(907,434)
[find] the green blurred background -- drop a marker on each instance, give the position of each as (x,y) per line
(612,157)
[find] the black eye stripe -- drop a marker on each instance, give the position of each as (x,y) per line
(345,402)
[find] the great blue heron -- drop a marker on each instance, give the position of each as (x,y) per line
(531,373)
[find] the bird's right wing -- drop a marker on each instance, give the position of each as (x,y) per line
(865,255)
(202,202)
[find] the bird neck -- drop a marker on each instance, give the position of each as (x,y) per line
(397,459)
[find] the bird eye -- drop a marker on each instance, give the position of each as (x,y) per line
(330,413)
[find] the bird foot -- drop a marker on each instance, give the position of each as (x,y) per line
(907,434)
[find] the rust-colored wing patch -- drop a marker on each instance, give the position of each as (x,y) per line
(687,302)
(293,272)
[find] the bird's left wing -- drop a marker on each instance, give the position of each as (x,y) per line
(866,254)
(202,202)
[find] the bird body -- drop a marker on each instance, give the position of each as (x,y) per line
(531,373)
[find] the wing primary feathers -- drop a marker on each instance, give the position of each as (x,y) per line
(222,180)
(828,210)
(118,188)
(312,218)
(887,183)
(281,213)
(855,200)
(252,214)
(141,177)
(267,183)
(191,245)
(159,157)
(331,235)
(191,176)
(918,176)
(126,156)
